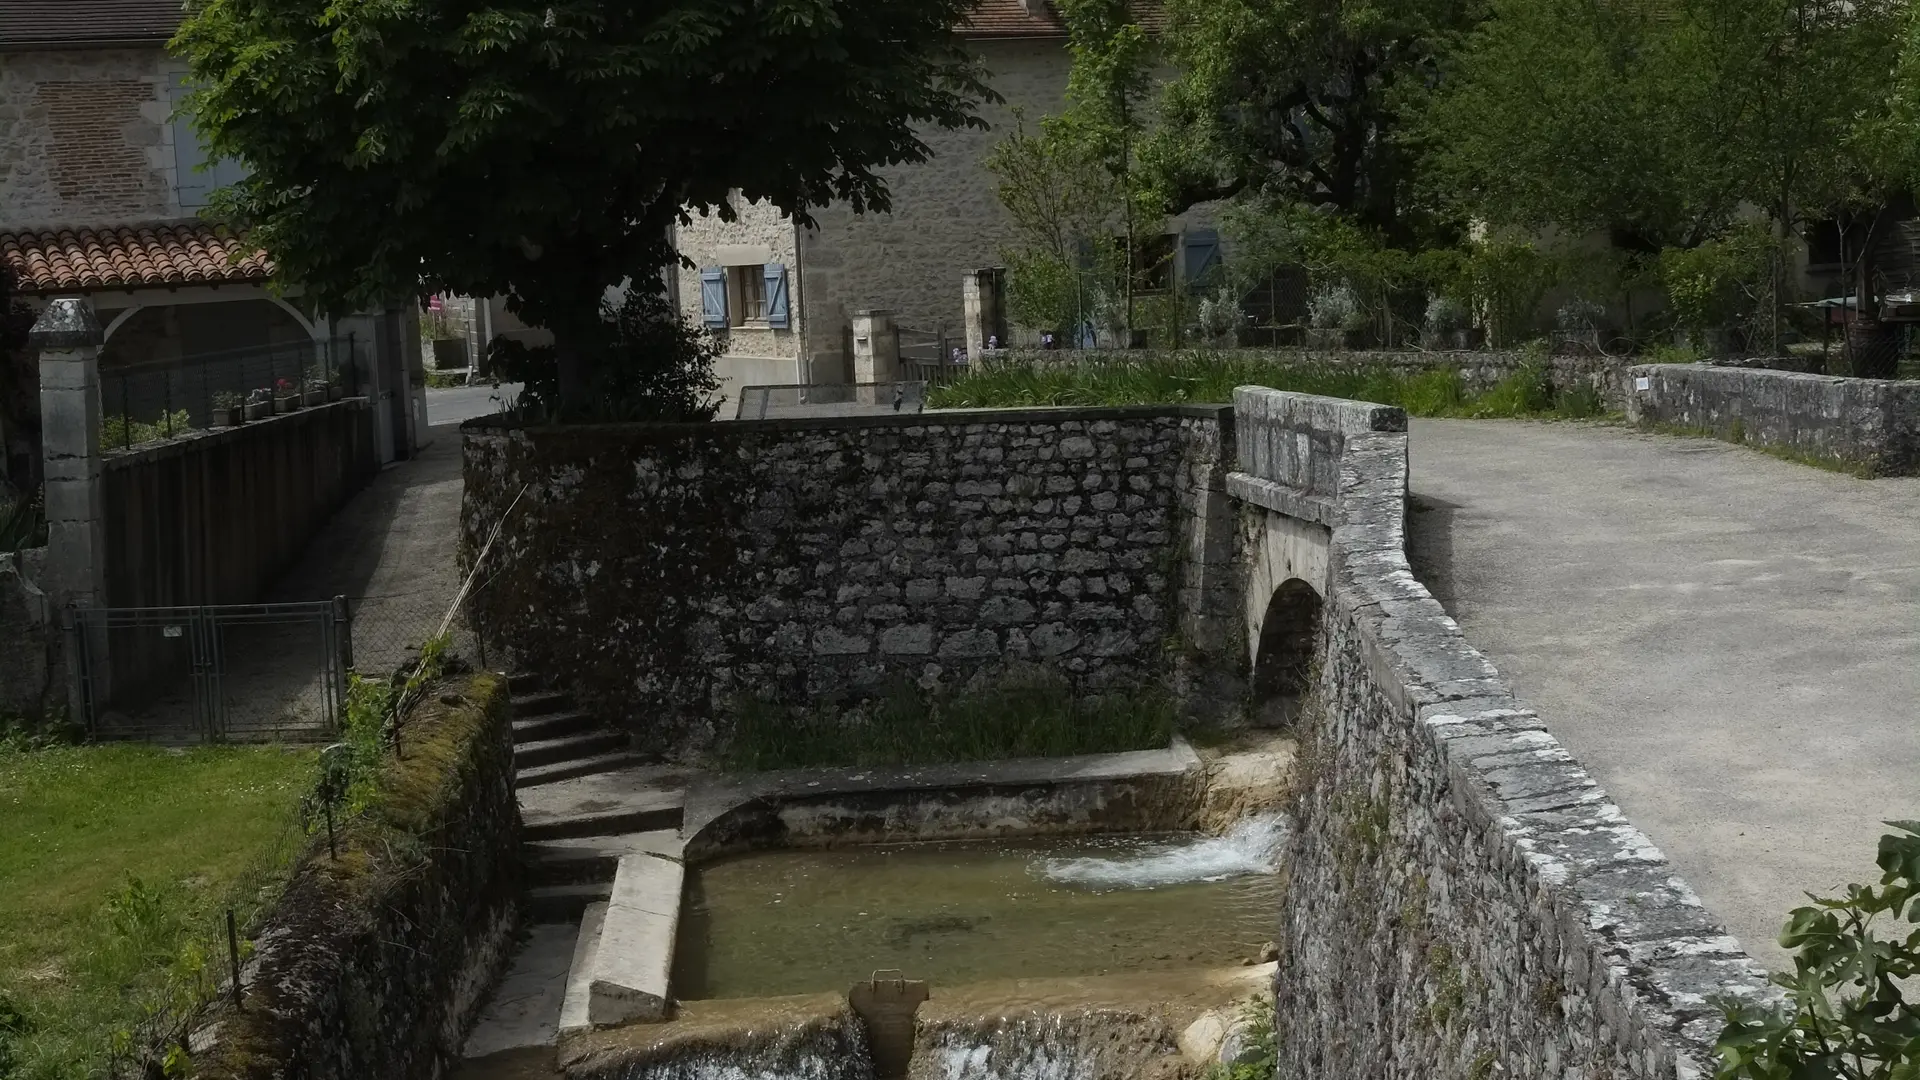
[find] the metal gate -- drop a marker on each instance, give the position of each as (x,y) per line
(211,673)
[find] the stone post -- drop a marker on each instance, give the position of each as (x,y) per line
(68,338)
(876,347)
(983,309)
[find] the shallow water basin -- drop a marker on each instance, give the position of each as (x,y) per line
(794,922)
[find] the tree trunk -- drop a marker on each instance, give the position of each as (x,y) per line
(1872,348)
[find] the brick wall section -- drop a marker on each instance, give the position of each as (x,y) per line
(1464,900)
(84,138)
(1869,424)
(662,571)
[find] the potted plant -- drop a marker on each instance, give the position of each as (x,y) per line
(286,396)
(259,405)
(335,390)
(1447,324)
(227,409)
(1336,319)
(313,385)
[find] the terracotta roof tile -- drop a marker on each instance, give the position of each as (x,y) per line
(129,257)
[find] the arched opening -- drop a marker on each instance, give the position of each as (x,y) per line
(1289,641)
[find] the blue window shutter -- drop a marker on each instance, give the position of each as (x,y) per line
(1202,254)
(192,184)
(776,295)
(713,296)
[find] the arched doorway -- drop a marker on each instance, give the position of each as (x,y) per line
(1289,642)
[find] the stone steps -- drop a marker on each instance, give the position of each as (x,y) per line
(568,860)
(552,725)
(570,770)
(540,703)
(565,903)
(537,752)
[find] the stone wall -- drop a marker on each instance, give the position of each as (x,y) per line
(1464,900)
(662,572)
(375,964)
(1872,425)
(29,640)
(84,138)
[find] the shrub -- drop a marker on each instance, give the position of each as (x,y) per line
(1445,315)
(1579,316)
(1220,314)
(1846,1016)
(1335,307)
(647,363)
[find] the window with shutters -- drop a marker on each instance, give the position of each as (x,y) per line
(1153,262)
(194,179)
(747,294)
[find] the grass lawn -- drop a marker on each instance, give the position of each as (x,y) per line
(116,866)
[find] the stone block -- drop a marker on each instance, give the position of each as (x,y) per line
(634,958)
(912,640)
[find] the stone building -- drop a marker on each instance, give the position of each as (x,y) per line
(101,189)
(946,220)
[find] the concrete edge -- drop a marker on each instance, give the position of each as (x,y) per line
(573,1005)
(500,424)
(1275,496)
(632,964)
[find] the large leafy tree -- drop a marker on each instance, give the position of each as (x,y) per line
(544,148)
(1305,101)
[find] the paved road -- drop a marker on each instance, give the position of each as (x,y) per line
(460,403)
(1731,643)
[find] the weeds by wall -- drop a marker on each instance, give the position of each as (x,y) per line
(374,961)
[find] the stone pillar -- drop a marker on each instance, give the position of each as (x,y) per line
(983,308)
(876,347)
(68,338)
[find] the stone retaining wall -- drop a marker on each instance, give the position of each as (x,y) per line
(375,964)
(1868,424)
(1464,900)
(664,573)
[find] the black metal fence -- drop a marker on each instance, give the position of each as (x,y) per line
(158,400)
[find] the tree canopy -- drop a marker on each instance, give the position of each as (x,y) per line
(542,149)
(1304,101)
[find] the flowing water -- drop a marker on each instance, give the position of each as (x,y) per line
(791,922)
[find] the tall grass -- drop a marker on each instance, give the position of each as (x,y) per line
(910,727)
(1203,376)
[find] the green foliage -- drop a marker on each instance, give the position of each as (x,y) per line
(647,363)
(1847,1016)
(543,149)
(1261,1055)
(1207,375)
(119,432)
(1304,102)
(1722,282)
(21,525)
(1020,718)
(120,863)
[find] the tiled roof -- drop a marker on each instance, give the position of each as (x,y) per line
(1039,19)
(69,260)
(26,23)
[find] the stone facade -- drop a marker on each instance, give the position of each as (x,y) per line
(1464,900)
(756,354)
(663,572)
(1872,425)
(85,138)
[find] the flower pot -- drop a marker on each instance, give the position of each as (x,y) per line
(286,403)
(315,396)
(257,410)
(227,416)
(335,392)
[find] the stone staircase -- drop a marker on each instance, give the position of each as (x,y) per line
(602,847)
(553,740)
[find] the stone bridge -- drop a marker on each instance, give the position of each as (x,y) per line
(1464,892)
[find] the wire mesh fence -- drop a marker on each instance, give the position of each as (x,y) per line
(149,402)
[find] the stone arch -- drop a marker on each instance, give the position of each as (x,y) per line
(1283,660)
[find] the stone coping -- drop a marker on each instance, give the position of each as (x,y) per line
(499,423)
(1655,949)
